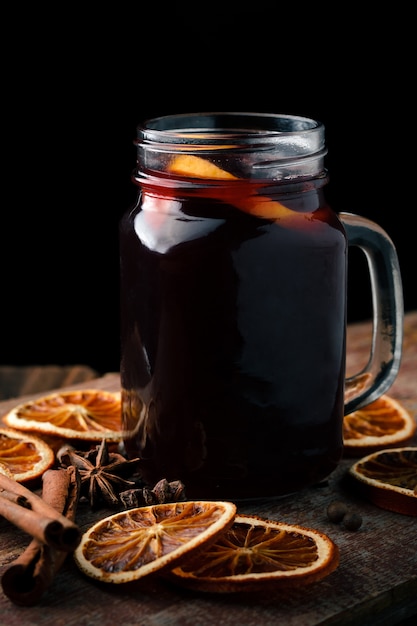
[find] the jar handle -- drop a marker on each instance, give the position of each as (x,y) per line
(387,312)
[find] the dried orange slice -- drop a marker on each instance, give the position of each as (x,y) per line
(88,414)
(22,456)
(384,423)
(5,471)
(388,478)
(132,544)
(254,553)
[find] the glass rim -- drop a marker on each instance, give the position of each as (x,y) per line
(273,145)
(214,126)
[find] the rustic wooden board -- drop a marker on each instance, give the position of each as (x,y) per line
(376,582)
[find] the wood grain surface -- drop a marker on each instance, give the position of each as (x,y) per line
(376,582)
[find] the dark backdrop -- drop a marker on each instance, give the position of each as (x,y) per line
(76,84)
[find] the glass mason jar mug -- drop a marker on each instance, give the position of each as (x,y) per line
(233,307)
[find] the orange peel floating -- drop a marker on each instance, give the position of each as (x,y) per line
(192,166)
(196,167)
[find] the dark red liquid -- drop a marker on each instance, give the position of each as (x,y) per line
(233,347)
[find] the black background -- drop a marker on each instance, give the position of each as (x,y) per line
(76,83)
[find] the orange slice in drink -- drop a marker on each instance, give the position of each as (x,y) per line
(22,456)
(88,414)
(192,166)
(130,545)
(388,478)
(255,553)
(196,167)
(382,424)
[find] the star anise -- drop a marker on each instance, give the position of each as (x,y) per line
(161,493)
(103,474)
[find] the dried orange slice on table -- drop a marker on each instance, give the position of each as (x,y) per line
(5,471)
(388,478)
(381,424)
(88,414)
(254,553)
(130,545)
(204,546)
(22,456)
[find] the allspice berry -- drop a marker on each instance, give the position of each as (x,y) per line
(352,521)
(336,511)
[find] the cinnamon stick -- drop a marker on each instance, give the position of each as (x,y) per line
(26,579)
(38,518)
(15,497)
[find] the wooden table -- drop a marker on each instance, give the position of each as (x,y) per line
(376,582)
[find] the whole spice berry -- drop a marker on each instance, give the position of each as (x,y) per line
(163,492)
(352,521)
(336,511)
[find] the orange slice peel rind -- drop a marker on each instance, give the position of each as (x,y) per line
(87,414)
(388,478)
(5,471)
(381,424)
(204,546)
(255,553)
(143,541)
(192,166)
(23,457)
